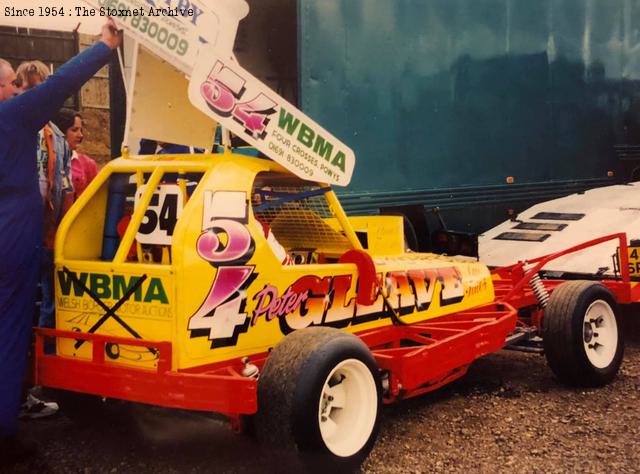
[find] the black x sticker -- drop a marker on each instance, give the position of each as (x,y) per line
(109,312)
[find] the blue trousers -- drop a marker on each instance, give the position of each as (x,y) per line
(17,300)
(47,304)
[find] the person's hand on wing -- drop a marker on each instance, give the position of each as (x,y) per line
(111,36)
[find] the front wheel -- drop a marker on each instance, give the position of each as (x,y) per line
(319,396)
(582,334)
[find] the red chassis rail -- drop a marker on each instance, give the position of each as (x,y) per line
(422,357)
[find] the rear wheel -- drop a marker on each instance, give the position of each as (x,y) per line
(582,334)
(319,397)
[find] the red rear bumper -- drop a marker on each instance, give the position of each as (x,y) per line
(218,389)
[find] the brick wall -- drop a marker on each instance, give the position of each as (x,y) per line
(94,108)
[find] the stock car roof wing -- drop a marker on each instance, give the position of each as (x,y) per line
(185,79)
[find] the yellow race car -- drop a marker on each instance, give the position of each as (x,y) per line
(222,282)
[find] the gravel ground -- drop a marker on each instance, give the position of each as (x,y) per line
(508,414)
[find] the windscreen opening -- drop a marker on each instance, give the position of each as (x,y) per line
(297,215)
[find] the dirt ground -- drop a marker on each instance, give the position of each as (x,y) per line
(508,415)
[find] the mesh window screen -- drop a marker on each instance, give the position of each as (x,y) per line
(299,217)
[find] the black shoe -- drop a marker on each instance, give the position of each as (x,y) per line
(14,449)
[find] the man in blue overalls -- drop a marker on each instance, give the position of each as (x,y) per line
(21,117)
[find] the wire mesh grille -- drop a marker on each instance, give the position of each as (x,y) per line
(300,221)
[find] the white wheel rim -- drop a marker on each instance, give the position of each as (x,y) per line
(348,408)
(600,334)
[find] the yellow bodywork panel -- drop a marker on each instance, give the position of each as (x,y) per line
(84,231)
(384,234)
(223,293)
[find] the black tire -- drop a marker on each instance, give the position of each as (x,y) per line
(565,334)
(294,383)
